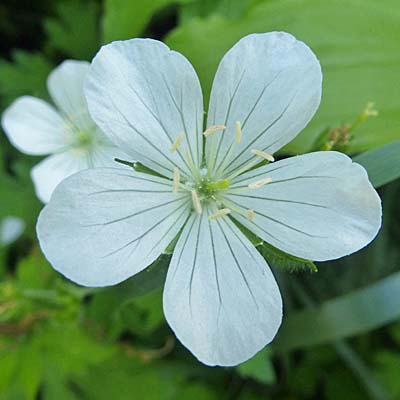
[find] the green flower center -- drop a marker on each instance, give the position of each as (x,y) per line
(83,139)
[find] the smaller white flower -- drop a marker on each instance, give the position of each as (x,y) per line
(66,132)
(11,228)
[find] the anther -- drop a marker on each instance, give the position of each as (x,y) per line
(238,130)
(258,184)
(263,154)
(212,129)
(250,215)
(219,213)
(177,143)
(176,180)
(196,202)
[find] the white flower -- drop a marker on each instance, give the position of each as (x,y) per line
(68,133)
(220,298)
(11,228)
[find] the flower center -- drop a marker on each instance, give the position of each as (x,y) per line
(83,139)
(206,185)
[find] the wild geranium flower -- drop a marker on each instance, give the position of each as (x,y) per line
(68,133)
(104,225)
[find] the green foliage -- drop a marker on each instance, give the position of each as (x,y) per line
(125,19)
(259,368)
(26,74)
(358,52)
(382,164)
(74,30)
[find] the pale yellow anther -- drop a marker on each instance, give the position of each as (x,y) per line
(219,213)
(177,143)
(258,184)
(212,129)
(250,215)
(238,130)
(176,180)
(196,202)
(263,154)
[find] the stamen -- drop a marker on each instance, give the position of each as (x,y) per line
(238,130)
(176,180)
(250,215)
(219,213)
(178,142)
(212,129)
(263,154)
(196,202)
(259,183)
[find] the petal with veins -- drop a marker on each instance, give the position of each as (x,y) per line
(104,225)
(271,83)
(319,206)
(143,95)
(220,297)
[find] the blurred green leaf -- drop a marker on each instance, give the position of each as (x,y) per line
(17,195)
(26,74)
(387,366)
(126,378)
(107,303)
(196,391)
(358,51)
(348,315)
(203,8)
(259,368)
(74,30)
(382,164)
(144,314)
(125,19)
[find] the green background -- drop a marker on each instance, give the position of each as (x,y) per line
(340,337)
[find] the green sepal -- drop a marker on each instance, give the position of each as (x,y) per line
(138,167)
(280,259)
(276,257)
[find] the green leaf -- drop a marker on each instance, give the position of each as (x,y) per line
(125,19)
(107,303)
(259,368)
(358,52)
(25,75)
(387,365)
(18,197)
(74,31)
(382,164)
(348,315)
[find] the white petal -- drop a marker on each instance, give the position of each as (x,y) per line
(65,85)
(220,297)
(52,170)
(104,225)
(34,126)
(143,95)
(319,206)
(271,84)
(11,229)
